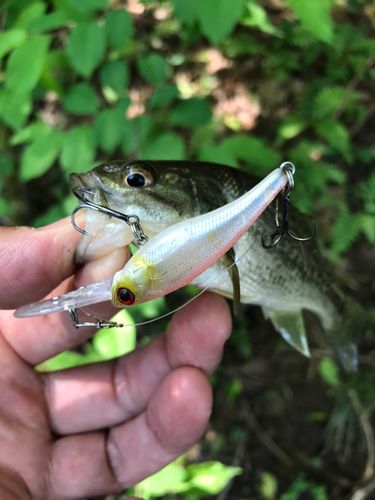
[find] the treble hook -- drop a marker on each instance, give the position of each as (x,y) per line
(276,236)
(131,220)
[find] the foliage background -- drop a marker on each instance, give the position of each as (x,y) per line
(242,82)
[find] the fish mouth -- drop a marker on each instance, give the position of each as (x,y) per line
(88,180)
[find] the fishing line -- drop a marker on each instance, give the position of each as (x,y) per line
(120,325)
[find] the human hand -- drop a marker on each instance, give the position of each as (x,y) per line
(101,428)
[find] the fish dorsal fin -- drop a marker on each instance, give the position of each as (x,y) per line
(229,259)
(291,327)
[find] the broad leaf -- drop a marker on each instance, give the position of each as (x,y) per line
(186,11)
(85,47)
(166,146)
(191,113)
(14,108)
(217,18)
(315,15)
(88,5)
(31,133)
(48,22)
(81,100)
(28,15)
(78,151)
(115,74)
(164,96)
(10,40)
(119,27)
(39,156)
(154,69)
(108,128)
(252,150)
(217,155)
(25,64)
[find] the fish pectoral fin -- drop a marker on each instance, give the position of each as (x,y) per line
(230,261)
(291,327)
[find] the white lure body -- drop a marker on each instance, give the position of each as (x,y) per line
(177,255)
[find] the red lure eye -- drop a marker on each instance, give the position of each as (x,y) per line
(125,296)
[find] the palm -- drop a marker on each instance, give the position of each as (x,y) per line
(101,428)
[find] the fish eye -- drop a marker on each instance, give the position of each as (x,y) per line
(137,177)
(125,296)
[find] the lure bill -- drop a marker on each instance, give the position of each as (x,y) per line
(175,256)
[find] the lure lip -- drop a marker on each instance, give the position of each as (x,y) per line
(99,291)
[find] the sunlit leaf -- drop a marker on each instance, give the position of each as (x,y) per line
(191,112)
(268,486)
(211,477)
(40,155)
(119,27)
(108,128)
(217,18)
(25,64)
(315,15)
(31,133)
(81,100)
(14,108)
(217,155)
(166,146)
(115,74)
(28,15)
(253,150)
(115,342)
(171,479)
(48,22)
(329,371)
(256,17)
(154,69)
(79,148)
(11,39)
(85,47)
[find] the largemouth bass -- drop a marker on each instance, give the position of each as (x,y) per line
(283,280)
(175,256)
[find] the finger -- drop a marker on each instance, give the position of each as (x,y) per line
(39,338)
(92,397)
(92,464)
(35,261)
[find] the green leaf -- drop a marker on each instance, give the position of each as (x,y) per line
(211,477)
(28,15)
(170,479)
(216,155)
(217,18)
(88,5)
(191,112)
(164,96)
(39,156)
(166,146)
(256,17)
(291,127)
(78,151)
(108,127)
(252,150)
(345,230)
(329,371)
(315,15)
(14,108)
(115,342)
(336,135)
(119,27)
(268,486)
(31,133)
(25,64)
(327,101)
(48,22)
(10,40)
(186,11)
(85,47)
(154,69)
(115,74)
(81,100)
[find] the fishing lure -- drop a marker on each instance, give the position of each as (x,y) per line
(174,257)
